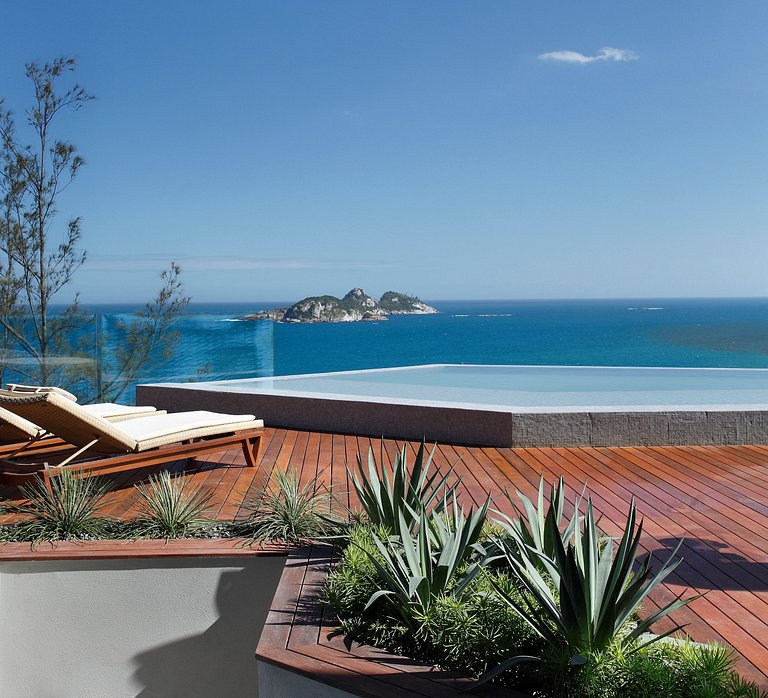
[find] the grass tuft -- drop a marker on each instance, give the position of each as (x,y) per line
(171,507)
(68,510)
(287,512)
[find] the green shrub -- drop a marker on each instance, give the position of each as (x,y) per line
(676,669)
(537,527)
(69,509)
(440,558)
(468,634)
(352,582)
(387,494)
(573,610)
(473,633)
(583,602)
(286,511)
(169,507)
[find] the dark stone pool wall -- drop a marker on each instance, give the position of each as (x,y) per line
(472,426)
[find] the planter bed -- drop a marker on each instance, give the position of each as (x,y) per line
(301,652)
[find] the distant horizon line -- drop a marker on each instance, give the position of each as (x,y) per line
(452,300)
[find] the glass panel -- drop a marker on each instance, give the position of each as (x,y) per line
(95,359)
(204,346)
(70,359)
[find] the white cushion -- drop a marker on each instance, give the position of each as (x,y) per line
(145,428)
(112,409)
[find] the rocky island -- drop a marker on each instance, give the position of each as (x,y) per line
(357,305)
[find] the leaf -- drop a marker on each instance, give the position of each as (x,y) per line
(376,596)
(491,674)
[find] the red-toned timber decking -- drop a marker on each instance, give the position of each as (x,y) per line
(714,497)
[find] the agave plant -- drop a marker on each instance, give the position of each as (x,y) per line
(389,495)
(171,507)
(536,527)
(417,568)
(595,595)
(66,507)
(289,512)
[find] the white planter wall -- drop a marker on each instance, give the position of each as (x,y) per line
(154,627)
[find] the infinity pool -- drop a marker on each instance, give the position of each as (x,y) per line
(500,405)
(529,388)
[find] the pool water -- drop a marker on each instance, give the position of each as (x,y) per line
(529,388)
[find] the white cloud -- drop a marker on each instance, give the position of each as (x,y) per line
(605,54)
(156,262)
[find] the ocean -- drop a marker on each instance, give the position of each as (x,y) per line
(634,332)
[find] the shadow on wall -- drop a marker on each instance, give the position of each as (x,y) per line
(220,661)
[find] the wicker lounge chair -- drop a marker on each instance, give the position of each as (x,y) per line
(19,433)
(15,430)
(100,446)
(112,411)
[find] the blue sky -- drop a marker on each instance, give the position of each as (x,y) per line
(281,149)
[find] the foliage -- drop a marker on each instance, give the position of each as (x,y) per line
(51,345)
(148,340)
(469,634)
(353,581)
(389,495)
(534,527)
(68,509)
(34,268)
(479,630)
(673,669)
(415,569)
(474,633)
(585,600)
(170,507)
(287,511)
(557,619)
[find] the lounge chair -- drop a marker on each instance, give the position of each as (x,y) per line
(112,411)
(100,446)
(17,432)
(15,428)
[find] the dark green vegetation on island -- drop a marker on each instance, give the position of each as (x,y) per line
(534,601)
(393,302)
(357,305)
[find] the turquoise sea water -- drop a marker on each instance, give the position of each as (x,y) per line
(700,332)
(604,333)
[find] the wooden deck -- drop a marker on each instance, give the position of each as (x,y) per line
(716,498)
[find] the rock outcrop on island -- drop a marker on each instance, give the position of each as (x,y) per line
(357,305)
(276,314)
(393,303)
